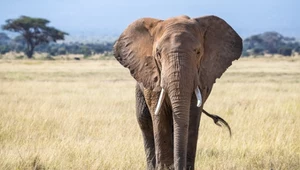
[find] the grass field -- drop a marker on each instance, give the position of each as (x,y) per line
(81,115)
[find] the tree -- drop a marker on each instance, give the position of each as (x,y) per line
(4,39)
(271,43)
(18,44)
(35,31)
(4,43)
(285,51)
(4,49)
(297,49)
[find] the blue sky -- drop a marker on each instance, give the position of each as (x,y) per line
(111,17)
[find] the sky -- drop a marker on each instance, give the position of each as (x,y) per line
(111,17)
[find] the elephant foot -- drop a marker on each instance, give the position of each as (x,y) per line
(165,167)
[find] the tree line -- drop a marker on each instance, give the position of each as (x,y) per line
(18,44)
(36,35)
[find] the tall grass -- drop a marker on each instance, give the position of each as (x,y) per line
(81,115)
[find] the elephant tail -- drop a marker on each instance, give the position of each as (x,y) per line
(218,120)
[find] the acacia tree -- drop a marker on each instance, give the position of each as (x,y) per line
(35,31)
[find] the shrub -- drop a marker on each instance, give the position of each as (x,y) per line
(285,51)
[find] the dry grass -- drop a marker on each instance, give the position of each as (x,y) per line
(81,115)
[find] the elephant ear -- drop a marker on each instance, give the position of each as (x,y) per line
(134,49)
(221,46)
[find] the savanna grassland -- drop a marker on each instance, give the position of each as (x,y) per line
(81,115)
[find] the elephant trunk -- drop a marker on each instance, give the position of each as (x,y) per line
(179,85)
(181,107)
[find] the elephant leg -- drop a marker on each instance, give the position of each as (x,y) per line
(145,123)
(163,136)
(162,130)
(195,116)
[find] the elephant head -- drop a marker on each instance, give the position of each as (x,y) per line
(179,57)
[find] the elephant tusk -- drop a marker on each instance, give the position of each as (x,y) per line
(160,101)
(199,97)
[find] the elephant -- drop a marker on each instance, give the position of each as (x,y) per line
(175,63)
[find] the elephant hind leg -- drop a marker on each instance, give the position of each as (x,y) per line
(145,123)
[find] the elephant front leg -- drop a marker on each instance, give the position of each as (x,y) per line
(163,137)
(145,123)
(195,116)
(162,129)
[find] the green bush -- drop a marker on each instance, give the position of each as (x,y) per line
(4,49)
(62,51)
(285,51)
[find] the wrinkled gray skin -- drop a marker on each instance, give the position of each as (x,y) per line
(178,55)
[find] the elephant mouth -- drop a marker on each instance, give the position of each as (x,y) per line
(163,95)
